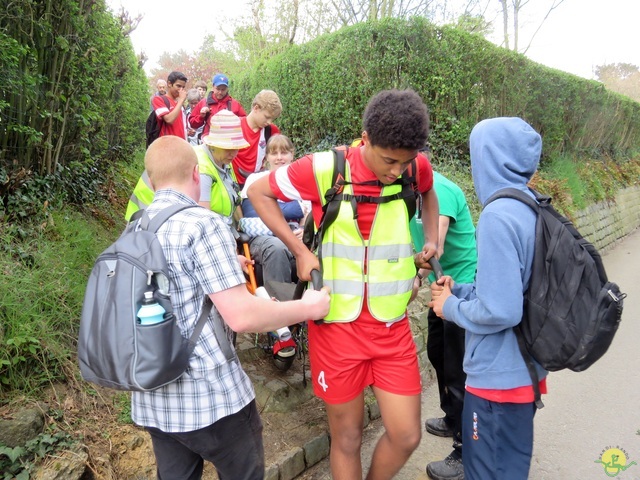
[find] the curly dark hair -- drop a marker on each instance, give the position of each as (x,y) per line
(397,119)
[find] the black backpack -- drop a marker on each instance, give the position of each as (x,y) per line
(571,310)
(153,126)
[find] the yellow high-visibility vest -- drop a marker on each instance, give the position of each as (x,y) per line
(141,197)
(387,257)
(221,201)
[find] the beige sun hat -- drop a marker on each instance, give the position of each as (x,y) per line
(225,132)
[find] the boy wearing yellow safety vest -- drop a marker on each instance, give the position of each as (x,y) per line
(368,262)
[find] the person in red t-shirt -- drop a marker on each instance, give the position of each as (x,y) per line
(217,99)
(256,129)
(172,119)
(367,260)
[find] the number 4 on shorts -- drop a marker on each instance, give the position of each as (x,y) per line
(321,381)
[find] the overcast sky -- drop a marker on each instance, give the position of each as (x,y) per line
(576,37)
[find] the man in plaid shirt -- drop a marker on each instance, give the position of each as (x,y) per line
(209,413)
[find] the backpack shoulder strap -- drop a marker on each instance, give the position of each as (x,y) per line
(162,216)
(312,237)
(166,102)
(218,331)
(410,193)
(229,104)
(267,133)
(137,215)
(531,368)
(541,200)
(333,196)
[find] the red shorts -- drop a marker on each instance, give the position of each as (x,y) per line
(347,357)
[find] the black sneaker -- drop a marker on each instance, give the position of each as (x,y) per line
(439,427)
(448,469)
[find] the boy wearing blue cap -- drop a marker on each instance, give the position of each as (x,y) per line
(217,99)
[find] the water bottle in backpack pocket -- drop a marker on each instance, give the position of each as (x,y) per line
(150,312)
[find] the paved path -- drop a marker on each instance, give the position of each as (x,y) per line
(585,413)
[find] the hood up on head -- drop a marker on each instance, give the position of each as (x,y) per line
(505,152)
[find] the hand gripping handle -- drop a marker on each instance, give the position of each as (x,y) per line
(436,267)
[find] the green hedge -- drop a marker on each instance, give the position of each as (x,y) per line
(325,84)
(73,97)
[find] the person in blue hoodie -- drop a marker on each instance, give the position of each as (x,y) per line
(497,417)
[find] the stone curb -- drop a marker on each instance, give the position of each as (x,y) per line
(295,461)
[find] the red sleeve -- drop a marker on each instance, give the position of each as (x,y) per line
(239,111)
(274,129)
(424,174)
(158,103)
(297,182)
(195,120)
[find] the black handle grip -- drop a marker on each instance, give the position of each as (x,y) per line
(243,238)
(436,267)
(316,279)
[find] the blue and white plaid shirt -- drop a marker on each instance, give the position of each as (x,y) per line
(201,256)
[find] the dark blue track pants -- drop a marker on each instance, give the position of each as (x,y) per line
(497,439)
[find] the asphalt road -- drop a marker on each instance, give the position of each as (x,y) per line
(588,416)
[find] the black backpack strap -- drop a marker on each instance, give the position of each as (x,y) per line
(531,368)
(541,200)
(414,199)
(267,133)
(409,193)
(166,101)
(332,196)
(229,104)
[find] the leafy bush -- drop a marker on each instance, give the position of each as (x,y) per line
(325,84)
(75,101)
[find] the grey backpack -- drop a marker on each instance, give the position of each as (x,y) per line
(114,349)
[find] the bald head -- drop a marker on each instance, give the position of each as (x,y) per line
(170,163)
